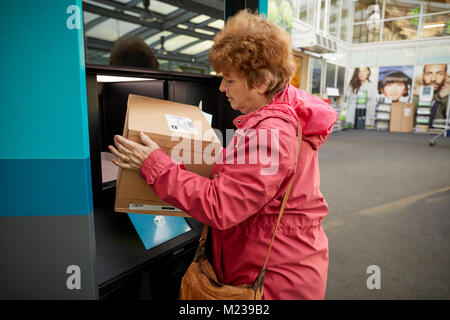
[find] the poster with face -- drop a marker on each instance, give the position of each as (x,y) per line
(395,83)
(362,79)
(436,76)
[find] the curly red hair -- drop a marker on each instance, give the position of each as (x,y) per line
(255,47)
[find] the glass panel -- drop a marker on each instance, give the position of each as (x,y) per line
(88,17)
(160,7)
(139,44)
(199,19)
(340,79)
(316,75)
(435,7)
(311,12)
(111,29)
(401,8)
(361,13)
(322,14)
(334,17)
(399,30)
(331,71)
(362,34)
(436,26)
(345,19)
(307,11)
(178,42)
(200,47)
(218,24)
(157,37)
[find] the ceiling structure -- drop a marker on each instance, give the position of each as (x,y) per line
(176,30)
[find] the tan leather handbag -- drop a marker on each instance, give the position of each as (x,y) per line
(200,282)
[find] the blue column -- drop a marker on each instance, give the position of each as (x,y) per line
(46,220)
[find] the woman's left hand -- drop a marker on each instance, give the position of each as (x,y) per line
(131,155)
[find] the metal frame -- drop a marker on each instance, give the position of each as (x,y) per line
(419,16)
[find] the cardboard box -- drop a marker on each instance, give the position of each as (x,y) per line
(182,132)
(402,117)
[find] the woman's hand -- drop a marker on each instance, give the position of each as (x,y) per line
(130,154)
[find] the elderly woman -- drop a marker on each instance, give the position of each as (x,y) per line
(242,202)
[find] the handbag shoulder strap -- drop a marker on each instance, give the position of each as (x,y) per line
(286,194)
(283,204)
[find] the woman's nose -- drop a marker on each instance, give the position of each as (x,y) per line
(222,87)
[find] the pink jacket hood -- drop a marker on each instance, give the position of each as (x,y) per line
(317,117)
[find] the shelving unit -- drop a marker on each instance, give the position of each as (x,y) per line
(334,97)
(422,119)
(383,114)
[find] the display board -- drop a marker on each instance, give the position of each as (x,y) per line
(362,82)
(430,96)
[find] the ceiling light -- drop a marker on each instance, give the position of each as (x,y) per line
(428,26)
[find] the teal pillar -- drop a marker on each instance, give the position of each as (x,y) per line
(47,239)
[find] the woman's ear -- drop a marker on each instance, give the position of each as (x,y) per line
(262,87)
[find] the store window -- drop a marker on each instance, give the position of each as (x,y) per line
(322,15)
(330,76)
(316,75)
(334,18)
(340,84)
(362,33)
(345,20)
(436,26)
(401,8)
(403,29)
(361,13)
(173,33)
(430,7)
(307,11)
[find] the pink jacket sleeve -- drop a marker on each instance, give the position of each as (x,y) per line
(236,193)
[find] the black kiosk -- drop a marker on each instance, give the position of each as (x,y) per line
(125,267)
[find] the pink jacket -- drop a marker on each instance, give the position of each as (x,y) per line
(242,202)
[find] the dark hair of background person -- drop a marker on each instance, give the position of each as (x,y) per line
(432,64)
(133,52)
(397,76)
(355,83)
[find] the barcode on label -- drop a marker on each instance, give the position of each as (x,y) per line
(180,124)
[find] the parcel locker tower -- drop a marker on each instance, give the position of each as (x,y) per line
(47,243)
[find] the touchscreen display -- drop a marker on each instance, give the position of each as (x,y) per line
(155,230)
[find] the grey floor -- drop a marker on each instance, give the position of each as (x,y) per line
(389,206)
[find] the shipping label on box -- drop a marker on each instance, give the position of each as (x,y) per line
(180,130)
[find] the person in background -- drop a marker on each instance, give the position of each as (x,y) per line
(434,75)
(395,85)
(242,201)
(133,52)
